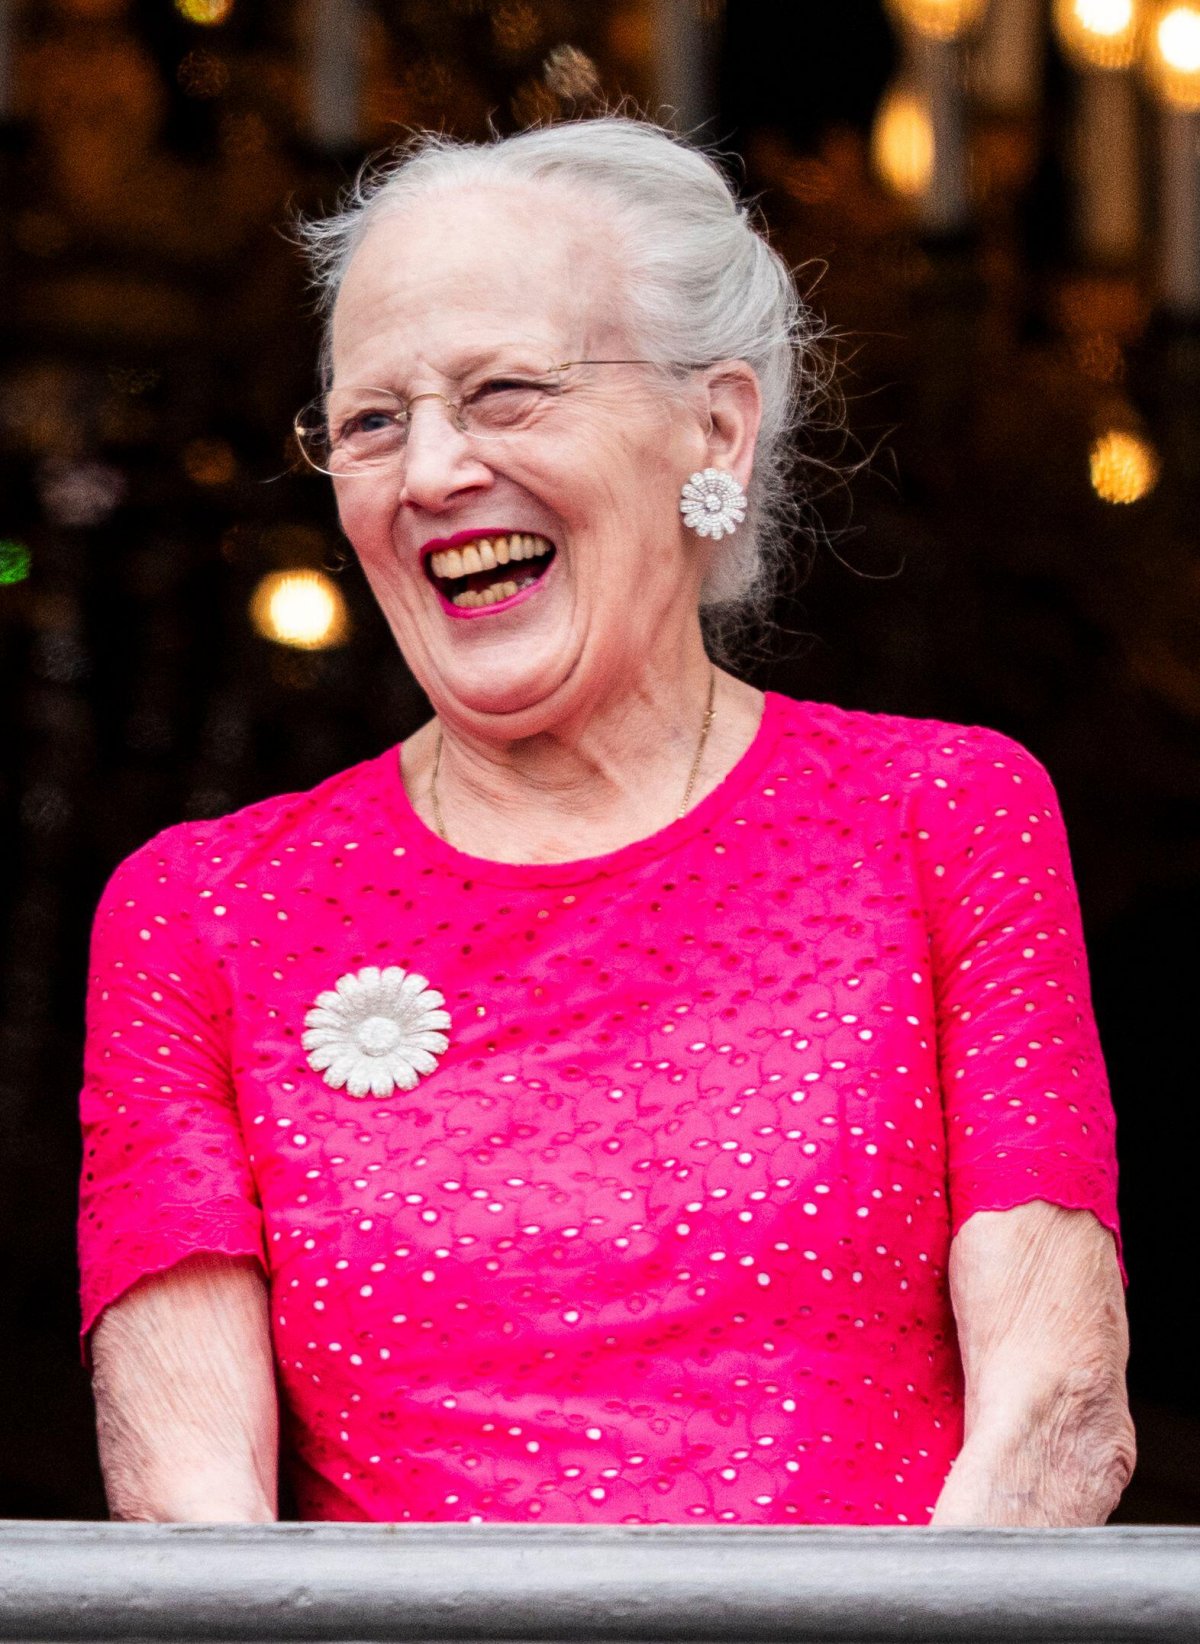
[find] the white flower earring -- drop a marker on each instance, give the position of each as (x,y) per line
(713,503)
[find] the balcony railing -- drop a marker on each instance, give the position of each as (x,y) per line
(462,1583)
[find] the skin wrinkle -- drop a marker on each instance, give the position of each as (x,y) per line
(1042,1331)
(186,1407)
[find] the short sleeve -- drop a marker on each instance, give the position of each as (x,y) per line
(165,1172)
(1027,1107)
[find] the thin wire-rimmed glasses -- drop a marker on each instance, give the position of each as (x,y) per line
(355,430)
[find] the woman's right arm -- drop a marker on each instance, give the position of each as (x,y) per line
(186,1410)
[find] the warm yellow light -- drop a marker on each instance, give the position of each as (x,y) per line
(1106,17)
(303,609)
(1099,33)
(205,12)
(1123,466)
(1173,59)
(939,19)
(1178,39)
(902,144)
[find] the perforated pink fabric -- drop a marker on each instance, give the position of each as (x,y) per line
(664,1235)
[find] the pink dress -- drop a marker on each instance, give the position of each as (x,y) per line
(660,1233)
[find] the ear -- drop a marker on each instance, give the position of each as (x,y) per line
(734,416)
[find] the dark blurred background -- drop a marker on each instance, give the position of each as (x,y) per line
(997,207)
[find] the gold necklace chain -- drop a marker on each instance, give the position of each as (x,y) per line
(439,820)
(709,712)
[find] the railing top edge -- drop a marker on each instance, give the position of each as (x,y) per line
(842,1534)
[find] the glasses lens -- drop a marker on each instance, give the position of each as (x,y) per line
(362,428)
(352,432)
(506,402)
(311,434)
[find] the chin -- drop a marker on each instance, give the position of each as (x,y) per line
(522,682)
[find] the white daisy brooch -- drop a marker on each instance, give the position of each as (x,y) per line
(376,1031)
(713,503)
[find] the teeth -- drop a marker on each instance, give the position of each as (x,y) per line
(471,600)
(486,554)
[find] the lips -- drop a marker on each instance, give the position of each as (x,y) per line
(476,572)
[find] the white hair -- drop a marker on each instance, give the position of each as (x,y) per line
(702,285)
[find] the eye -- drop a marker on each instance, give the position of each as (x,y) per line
(506,401)
(370,421)
(514,383)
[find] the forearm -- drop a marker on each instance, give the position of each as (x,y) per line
(1059,1453)
(186,1411)
(1041,1319)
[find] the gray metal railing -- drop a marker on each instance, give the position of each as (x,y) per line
(464,1583)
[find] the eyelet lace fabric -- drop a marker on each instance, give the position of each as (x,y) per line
(663,1236)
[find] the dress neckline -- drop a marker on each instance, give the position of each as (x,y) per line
(417,836)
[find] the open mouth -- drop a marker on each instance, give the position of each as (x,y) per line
(489,569)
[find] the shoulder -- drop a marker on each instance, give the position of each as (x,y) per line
(887,755)
(188,855)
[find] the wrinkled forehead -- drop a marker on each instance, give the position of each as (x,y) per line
(440,281)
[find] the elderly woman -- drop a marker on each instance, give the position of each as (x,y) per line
(633,1099)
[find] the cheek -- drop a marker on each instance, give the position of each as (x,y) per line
(367,518)
(355,512)
(631,491)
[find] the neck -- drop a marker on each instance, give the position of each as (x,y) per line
(590,785)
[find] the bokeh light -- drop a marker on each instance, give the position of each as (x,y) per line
(79,494)
(1102,34)
(301,609)
(939,19)
(1173,60)
(209,462)
(202,74)
(902,143)
(208,13)
(534,104)
(516,27)
(571,74)
(1124,467)
(1098,356)
(15,561)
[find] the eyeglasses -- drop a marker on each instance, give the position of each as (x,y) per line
(352,431)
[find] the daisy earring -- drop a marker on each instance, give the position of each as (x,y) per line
(713,503)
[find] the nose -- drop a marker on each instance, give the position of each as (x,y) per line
(440,461)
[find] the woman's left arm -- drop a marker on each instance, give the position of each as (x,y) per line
(1040,1310)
